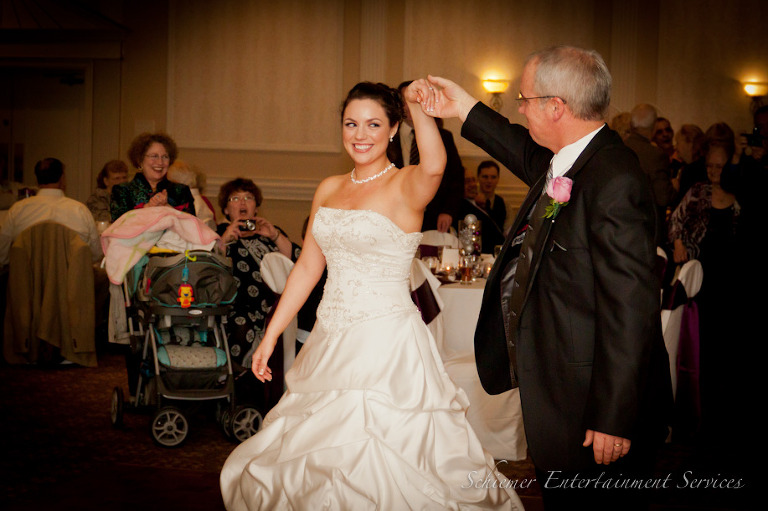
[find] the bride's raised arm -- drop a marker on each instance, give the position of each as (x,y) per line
(422,180)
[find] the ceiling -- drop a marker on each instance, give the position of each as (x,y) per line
(48,21)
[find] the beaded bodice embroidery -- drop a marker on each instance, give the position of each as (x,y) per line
(369,260)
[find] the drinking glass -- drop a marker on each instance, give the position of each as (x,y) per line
(466,265)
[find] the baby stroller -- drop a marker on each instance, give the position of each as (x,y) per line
(177,306)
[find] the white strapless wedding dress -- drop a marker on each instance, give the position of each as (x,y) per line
(370,419)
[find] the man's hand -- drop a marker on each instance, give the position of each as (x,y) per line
(607,448)
(451,100)
(444,221)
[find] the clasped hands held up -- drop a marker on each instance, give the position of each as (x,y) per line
(440,97)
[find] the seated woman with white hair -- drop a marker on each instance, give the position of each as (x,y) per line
(181,172)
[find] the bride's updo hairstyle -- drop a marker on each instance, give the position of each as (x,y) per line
(384,95)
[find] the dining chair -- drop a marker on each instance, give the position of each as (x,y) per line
(685,286)
(432,240)
(680,327)
(496,419)
(423,286)
(661,267)
(50,310)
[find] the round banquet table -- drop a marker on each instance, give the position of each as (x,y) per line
(497,420)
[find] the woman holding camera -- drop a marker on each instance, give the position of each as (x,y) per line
(248,238)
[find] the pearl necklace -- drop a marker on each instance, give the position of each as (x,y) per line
(375,176)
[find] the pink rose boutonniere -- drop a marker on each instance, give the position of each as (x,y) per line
(559,189)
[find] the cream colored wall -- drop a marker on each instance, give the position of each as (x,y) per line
(106,121)
(51,118)
(707,49)
(252,88)
(144,70)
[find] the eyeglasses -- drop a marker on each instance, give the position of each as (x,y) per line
(520,98)
(163,157)
(244,198)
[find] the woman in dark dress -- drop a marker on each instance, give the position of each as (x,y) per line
(704,226)
(239,200)
(151,154)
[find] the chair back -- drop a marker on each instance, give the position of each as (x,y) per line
(50,297)
(439,239)
(432,242)
(685,285)
(275,268)
(423,286)
(661,267)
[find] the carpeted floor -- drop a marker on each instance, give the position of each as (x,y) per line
(59,451)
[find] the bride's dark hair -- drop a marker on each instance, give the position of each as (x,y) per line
(386,96)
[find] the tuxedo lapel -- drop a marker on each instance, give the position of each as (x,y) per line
(520,220)
(528,262)
(532,250)
(513,291)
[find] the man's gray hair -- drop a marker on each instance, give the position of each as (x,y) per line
(578,76)
(643,117)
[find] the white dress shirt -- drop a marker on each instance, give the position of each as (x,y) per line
(567,156)
(49,205)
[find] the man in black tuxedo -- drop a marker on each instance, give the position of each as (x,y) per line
(443,209)
(571,308)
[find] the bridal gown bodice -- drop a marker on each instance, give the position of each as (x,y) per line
(369,260)
(370,419)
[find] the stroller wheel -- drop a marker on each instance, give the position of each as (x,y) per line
(225,420)
(169,427)
(116,407)
(246,422)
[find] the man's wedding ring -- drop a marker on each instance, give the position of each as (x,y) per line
(617,445)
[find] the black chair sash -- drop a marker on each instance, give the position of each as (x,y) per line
(426,302)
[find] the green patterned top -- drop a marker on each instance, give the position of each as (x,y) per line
(136,193)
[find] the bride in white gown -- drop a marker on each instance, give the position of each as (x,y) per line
(370,419)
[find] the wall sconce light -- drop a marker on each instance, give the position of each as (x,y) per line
(756,91)
(496,87)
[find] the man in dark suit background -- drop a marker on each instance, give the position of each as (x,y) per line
(571,309)
(443,210)
(653,162)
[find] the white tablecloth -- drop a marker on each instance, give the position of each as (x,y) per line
(497,420)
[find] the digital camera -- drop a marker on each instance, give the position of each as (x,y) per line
(248,225)
(754,139)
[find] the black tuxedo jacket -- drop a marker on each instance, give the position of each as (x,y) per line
(451,191)
(587,350)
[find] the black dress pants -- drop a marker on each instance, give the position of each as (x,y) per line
(626,485)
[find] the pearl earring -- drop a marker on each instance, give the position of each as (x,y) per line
(391,139)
